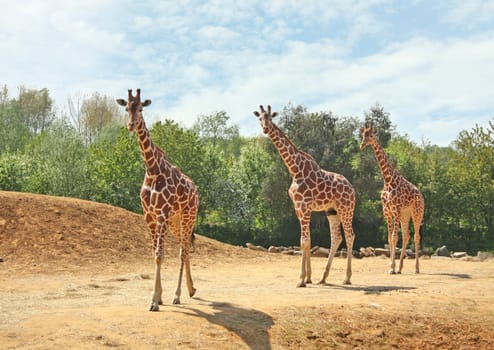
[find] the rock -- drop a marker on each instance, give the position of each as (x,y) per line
(483,256)
(273,249)
(1,259)
(381,251)
(458,255)
(321,252)
(255,247)
(443,251)
(288,252)
(314,248)
(355,254)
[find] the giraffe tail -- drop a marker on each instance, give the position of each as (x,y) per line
(421,231)
(192,243)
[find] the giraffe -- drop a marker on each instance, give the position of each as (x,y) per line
(314,189)
(401,201)
(169,200)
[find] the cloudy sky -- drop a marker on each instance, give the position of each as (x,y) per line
(429,63)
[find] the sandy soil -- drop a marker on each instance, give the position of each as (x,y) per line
(91,289)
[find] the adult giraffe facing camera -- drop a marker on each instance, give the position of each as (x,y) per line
(169,200)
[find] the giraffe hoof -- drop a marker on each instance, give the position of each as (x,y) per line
(347,282)
(322,282)
(301,285)
(309,281)
(154,307)
(392,272)
(176,301)
(192,292)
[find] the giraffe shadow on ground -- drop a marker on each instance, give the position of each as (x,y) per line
(463,276)
(250,325)
(370,289)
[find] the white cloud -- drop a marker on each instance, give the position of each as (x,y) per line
(469,13)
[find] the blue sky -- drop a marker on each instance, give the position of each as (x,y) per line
(429,63)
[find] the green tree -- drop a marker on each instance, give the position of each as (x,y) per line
(116,171)
(58,156)
(473,172)
(14,133)
(182,146)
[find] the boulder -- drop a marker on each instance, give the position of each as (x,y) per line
(443,251)
(321,252)
(458,255)
(381,251)
(288,252)
(255,247)
(273,249)
(482,256)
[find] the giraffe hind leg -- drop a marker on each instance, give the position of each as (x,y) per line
(349,238)
(405,236)
(335,233)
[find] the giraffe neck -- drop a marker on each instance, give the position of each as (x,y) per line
(387,170)
(149,150)
(287,150)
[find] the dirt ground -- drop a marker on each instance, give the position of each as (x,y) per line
(79,275)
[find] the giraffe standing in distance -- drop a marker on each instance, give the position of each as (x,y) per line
(401,201)
(169,200)
(314,189)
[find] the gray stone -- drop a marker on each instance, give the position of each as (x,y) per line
(321,252)
(274,249)
(482,256)
(443,251)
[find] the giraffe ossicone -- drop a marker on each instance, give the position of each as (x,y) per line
(169,200)
(314,189)
(401,201)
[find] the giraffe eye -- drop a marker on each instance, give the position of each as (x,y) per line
(126,109)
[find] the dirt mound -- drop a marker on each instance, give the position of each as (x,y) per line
(38,231)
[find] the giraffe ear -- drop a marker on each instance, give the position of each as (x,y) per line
(122,102)
(146,103)
(274,114)
(256,113)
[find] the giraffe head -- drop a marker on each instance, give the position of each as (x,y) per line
(369,135)
(266,118)
(134,107)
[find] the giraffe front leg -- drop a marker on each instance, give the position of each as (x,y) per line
(159,244)
(306,272)
(157,301)
(392,238)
